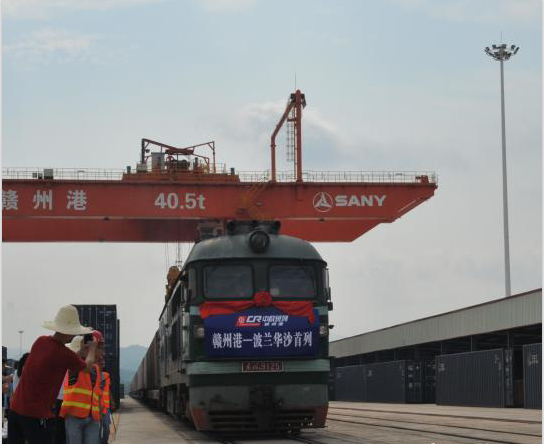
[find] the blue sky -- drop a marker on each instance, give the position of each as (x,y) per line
(390,85)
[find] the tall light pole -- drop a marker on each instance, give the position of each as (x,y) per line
(502,53)
(21,343)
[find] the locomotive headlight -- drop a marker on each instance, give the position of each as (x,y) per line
(323,330)
(199,331)
(259,241)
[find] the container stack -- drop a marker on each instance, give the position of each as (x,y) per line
(482,378)
(104,319)
(394,381)
(532,376)
(474,378)
(349,384)
(429,381)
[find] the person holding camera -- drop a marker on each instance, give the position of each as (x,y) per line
(82,403)
(106,403)
(31,416)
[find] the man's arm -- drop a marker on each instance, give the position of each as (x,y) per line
(91,356)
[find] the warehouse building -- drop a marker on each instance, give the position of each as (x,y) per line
(487,354)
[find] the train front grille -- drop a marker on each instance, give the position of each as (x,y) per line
(245,420)
(234,420)
(293,419)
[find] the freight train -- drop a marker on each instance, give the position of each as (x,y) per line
(242,343)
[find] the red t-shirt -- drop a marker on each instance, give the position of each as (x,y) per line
(42,377)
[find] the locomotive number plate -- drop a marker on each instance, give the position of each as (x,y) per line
(262,366)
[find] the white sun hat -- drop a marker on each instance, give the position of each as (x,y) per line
(67,322)
(75,345)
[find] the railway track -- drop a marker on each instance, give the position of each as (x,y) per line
(442,424)
(391,432)
(274,439)
(379,430)
(522,421)
(432,430)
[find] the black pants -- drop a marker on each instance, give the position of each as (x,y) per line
(34,430)
(60,432)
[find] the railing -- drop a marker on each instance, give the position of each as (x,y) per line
(344,176)
(62,173)
(245,176)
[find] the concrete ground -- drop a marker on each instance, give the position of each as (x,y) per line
(136,423)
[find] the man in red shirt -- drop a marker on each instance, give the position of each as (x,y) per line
(31,415)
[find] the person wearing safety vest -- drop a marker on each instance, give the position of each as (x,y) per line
(82,403)
(59,436)
(106,403)
(31,417)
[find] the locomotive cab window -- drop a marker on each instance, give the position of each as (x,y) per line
(292,281)
(325,280)
(188,288)
(176,300)
(228,282)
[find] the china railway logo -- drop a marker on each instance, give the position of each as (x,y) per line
(258,320)
(323,202)
(248,321)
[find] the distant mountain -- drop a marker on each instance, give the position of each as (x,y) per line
(131,356)
(129,361)
(126,376)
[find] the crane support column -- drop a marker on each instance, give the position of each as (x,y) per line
(298,123)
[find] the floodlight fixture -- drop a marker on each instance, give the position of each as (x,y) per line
(501,52)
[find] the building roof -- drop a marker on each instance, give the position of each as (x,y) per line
(501,314)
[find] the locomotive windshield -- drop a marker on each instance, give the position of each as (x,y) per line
(292,281)
(228,281)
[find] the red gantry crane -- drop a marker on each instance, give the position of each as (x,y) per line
(180,195)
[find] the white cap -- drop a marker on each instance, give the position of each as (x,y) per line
(75,345)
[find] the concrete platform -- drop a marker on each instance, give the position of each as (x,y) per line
(136,423)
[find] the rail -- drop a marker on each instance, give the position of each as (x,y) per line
(97,174)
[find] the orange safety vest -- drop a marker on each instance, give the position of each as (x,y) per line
(82,399)
(106,393)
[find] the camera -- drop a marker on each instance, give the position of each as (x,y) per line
(88,338)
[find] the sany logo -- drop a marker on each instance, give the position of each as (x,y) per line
(324,202)
(249,321)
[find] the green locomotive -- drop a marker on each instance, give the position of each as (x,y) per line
(242,343)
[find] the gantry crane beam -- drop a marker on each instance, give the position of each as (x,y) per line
(51,210)
(181,200)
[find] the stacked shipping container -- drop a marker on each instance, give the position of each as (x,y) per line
(395,381)
(104,319)
(349,384)
(532,376)
(481,378)
(429,381)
